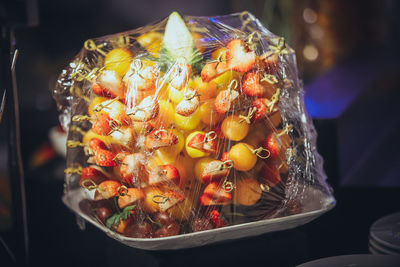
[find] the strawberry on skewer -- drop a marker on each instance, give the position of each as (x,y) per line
(93,174)
(263,108)
(141,79)
(159,138)
(215,194)
(180,75)
(164,174)
(205,142)
(216,219)
(189,104)
(227,98)
(216,170)
(113,108)
(101,125)
(213,70)
(257,83)
(133,168)
(102,156)
(239,56)
(147,109)
(105,190)
(167,199)
(108,84)
(276,143)
(271,176)
(270,62)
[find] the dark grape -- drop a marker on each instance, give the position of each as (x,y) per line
(139,230)
(102,213)
(163,218)
(170,229)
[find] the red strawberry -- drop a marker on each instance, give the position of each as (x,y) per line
(96,144)
(164,174)
(93,174)
(147,109)
(209,72)
(215,195)
(262,109)
(204,141)
(98,90)
(105,158)
(214,171)
(189,104)
(101,125)
(119,157)
(216,219)
(273,145)
(132,168)
(159,138)
(251,84)
(180,75)
(271,175)
(111,83)
(224,156)
(225,99)
(142,80)
(102,156)
(239,56)
(171,198)
(270,61)
(206,200)
(212,70)
(125,136)
(109,189)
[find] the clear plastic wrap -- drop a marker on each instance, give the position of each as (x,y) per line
(189,131)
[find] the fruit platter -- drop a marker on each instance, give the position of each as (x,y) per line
(189,131)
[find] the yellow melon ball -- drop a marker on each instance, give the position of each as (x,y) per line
(208,113)
(118,60)
(247,192)
(175,95)
(242,156)
(225,79)
(165,115)
(205,90)
(182,210)
(95,101)
(169,154)
(150,204)
(151,41)
(90,134)
(188,123)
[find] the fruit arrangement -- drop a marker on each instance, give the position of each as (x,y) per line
(176,128)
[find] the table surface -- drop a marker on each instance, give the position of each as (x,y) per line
(55,236)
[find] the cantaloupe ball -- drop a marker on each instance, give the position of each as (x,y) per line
(247,192)
(182,210)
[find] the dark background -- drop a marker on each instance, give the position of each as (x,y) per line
(347,54)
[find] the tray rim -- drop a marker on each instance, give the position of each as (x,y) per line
(328,204)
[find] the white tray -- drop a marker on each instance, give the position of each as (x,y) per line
(73,197)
